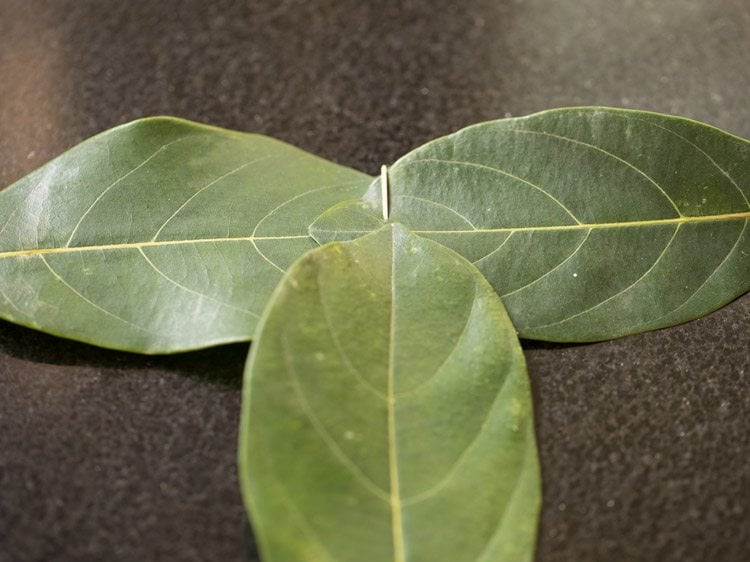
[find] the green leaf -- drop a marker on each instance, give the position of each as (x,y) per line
(160,235)
(387,414)
(591,223)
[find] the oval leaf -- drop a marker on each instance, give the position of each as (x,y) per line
(160,235)
(591,223)
(387,413)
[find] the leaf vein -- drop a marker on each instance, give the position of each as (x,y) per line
(89,301)
(189,290)
(451,472)
(436,203)
(397,526)
(458,341)
(343,355)
(508,505)
(493,252)
(551,271)
(698,148)
(12,305)
(499,171)
(322,432)
(264,256)
(201,190)
(621,292)
(582,226)
(134,245)
(10,218)
(288,201)
(611,155)
(714,272)
(114,183)
(292,507)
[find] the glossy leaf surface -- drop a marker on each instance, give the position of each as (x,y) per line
(590,223)
(160,235)
(387,413)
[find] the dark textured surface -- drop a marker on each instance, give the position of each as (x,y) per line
(106,456)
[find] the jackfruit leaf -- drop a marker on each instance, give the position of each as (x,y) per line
(387,415)
(160,235)
(591,223)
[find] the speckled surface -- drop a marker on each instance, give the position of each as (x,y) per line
(108,456)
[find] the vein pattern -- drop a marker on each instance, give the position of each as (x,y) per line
(185,229)
(456,415)
(617,185)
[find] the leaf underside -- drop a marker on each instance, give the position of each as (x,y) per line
(387,415)
(160,235)
(591,223)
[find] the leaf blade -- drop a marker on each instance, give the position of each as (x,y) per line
(554,186)
(160,235)
(405,407)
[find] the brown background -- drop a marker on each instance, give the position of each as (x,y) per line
(108,456)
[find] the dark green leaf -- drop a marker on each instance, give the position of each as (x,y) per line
(591,223)
(160,235)
(387,415)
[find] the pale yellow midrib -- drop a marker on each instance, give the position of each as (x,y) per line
(397,529)
(592,226)
(140,245)
(582,226)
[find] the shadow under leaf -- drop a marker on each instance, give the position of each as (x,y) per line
(223,364)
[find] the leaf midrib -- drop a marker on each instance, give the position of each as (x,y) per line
(583,226)
(397,526)
(140,245)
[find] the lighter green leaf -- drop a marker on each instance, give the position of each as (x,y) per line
(387,415)
(591,223)
(160,235)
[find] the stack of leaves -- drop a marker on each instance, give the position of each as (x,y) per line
(387,413)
